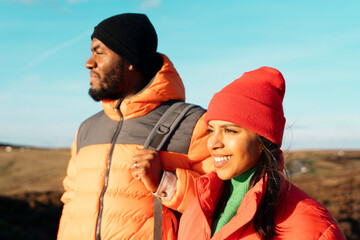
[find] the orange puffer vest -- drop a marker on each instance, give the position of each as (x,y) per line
(102,200)
(298,216)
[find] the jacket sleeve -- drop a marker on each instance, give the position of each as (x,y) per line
(198,163)
(333,232)
(68,182)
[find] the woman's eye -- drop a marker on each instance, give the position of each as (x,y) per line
(209,131)
(229,130)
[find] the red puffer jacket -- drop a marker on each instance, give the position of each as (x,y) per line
(297,217)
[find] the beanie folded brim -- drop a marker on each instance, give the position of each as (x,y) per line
(247,113)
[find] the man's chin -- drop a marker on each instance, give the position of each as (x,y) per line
(100,94)
(96,94)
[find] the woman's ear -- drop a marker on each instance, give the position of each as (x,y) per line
(131,67)
(260,148)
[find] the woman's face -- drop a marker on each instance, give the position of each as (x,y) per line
(234,149)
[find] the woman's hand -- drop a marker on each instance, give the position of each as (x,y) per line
(147,167)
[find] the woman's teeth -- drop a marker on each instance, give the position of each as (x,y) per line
(221,159)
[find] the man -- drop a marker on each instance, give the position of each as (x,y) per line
(110,179)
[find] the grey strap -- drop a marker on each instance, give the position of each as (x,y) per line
(156,140)
(157,218)
(166,125)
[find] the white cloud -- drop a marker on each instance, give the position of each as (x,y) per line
(146,4)
(339,131)
(56,49)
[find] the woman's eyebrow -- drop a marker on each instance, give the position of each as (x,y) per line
(226,125)
(230,125)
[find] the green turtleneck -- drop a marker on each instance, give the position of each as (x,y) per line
(238,188)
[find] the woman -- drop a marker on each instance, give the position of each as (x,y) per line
(247,196)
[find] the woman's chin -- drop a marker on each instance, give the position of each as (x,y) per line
(223,175)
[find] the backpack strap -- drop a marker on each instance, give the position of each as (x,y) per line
(158,136)
(157,218)
(166,125)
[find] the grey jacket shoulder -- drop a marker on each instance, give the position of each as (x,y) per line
(100,129)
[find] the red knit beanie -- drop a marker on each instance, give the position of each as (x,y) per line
(253,101)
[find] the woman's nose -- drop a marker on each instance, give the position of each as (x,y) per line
(215,141)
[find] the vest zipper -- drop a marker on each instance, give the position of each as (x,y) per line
(108,165)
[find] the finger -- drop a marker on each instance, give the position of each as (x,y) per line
(137,173)
(140,157)
(142,163)
(145,151)
(135,165)
(138,166)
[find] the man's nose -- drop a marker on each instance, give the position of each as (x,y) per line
(90,63)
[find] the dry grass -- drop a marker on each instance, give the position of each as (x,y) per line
(31,185)
(32,170)
(332,178)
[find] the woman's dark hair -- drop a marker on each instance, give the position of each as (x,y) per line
(269,168)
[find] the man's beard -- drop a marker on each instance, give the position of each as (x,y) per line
(109,85)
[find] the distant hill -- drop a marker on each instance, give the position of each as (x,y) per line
(7,144)
(19,146)
(2,144)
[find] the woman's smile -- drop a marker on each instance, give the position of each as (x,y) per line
(220,161)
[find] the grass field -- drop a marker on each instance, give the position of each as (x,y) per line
(31,186)
(32,170)
(332,178)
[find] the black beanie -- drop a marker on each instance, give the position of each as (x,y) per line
(133,37)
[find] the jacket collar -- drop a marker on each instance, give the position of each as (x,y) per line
(245,213)
(166,85)
(209,189)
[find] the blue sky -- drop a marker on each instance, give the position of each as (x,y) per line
(315,44)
